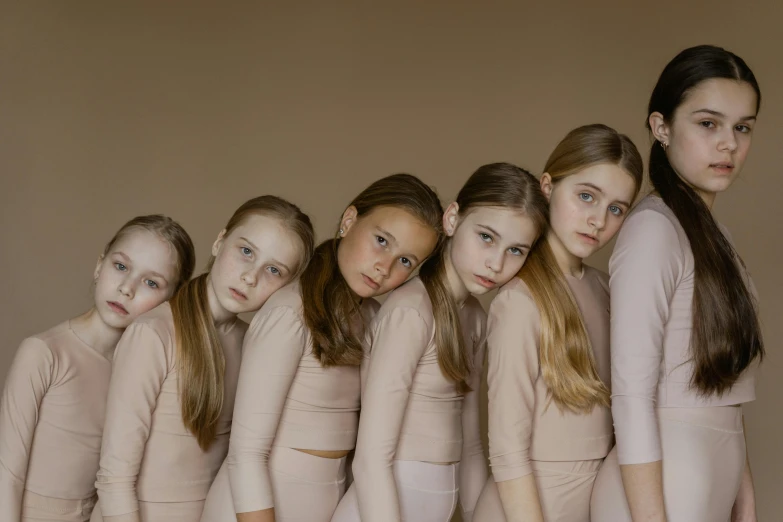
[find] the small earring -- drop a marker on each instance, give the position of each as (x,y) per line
(342,232)
(664,145)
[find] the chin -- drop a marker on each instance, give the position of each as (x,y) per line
(113,320)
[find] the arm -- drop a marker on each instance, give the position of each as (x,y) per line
(400,339)
(512,344)
(139,368)
(644,270)
(473,465)
(271,354)
(28,380)
(744,509)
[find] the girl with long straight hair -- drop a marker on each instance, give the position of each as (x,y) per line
(685,331)
(297,407)
(550,425)
(175,370)
(54,401)
(419,447)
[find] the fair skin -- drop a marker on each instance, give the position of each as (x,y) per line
(707,141)
(378,252)
(137,274)
(488,246)
(586,209)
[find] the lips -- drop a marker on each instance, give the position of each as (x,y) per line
(117,308)
(590,239)
(485,282)
(236,294)
(723,167)
(371,283)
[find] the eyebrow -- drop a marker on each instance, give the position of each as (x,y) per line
(497,235)
(273,260)
(152,272)
(598,189)
(394,240)
(721,115)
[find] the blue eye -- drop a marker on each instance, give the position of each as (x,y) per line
(617,211)
(274,270)
(381,241)
(406,262)
(121,267)
(246,251)
(515,251)
(151,283)
(584,196)
(485,237)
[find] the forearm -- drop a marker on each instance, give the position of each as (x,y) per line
(520,499)
(644,490)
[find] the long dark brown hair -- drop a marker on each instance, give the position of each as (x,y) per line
(200,356)
(726,335)
(328,303)
(566,355)
(494,185)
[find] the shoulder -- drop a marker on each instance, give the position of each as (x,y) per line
(286,302)
(514,297)
(160,320)
(651,222)
(411,300)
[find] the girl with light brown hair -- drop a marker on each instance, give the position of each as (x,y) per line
(419,447)
(175,370)
(297,407)
(54,401)
(548,340)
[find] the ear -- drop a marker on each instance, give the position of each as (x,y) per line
(218,243)
(349,219)
(98,267)
(450,219)
(546,185)
(659,128)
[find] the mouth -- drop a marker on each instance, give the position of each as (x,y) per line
(485,282)
(236,294)
(723,168)
(589,239)
(117,308)
(371,283)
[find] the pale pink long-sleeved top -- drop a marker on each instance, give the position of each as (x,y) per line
(51,419)
(524,423)
(651,281)
(147,452)
(410,410)
(287,398)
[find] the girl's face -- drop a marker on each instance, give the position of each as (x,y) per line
(488,245)
(137,274)
(587,208)
(254,260)
(709,135)
(380,250)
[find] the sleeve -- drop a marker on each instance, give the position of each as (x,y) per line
(400,338)
(473,466)
(643,271)
(512,342)
(28,380)
(138,371)
(271,354)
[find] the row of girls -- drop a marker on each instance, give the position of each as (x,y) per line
(160,404)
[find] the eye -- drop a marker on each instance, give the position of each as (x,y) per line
(585,196)
(274,271)
(744,129)
(121,267)
(246,251)
(515,251)
(617,211)
(485,237)
(406,262)
(707,124)
(151,283)
(381,241)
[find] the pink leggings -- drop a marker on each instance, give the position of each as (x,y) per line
(703,463)
(428,493)
(306,488)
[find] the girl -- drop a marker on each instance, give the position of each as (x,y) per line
(419,443)
(548,343)
(52,410)
(298,397)
(685,331)
(172,389)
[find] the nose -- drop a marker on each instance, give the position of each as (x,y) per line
(250,277)
(383,267)
(495,261)
(728,141)
(126,288)
(597,219)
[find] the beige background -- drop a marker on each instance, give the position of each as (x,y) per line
(109,111)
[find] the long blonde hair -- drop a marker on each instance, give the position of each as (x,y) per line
(200,355)
(494,185)
(566,355)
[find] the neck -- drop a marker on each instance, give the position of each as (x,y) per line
(568,262)
(91,329)
(454,282)
(707,197)
(220,315)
